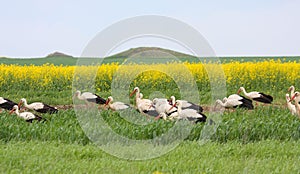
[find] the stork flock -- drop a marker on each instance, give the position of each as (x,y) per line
(159,108)
(27,116)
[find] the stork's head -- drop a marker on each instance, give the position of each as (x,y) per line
(15,107)
(171,100)
(176,104)
(297,94)
(291,88)
(135,90)
(287,96)
(240,90)
(23,100)
(154,101)
(77,93)
(109,100)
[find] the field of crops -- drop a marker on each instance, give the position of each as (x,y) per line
(264,140)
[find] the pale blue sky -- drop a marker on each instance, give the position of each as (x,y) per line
(35,28)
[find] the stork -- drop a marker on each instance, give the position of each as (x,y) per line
(143,105)
(38,107)
(189,114)
(256,96)
(234,101)
(163,106)
(115,106)
(186,104)
(27,116)
(6,103)
(296,97)
(292,90)
(150,111)
(88,97)
(290,106)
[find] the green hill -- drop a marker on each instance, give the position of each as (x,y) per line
(136,55)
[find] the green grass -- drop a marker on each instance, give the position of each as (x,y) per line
(190,157)
(265,140)
(241,126)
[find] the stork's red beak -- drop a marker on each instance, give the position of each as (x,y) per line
(239,91)
(157,117)
(172,107)
(151,106)
(131,94)
(19,104)
(106,103)
(293,97)
(11,111)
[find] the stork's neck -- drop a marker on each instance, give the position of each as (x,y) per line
(25,103)
(244,91)
(137,94)
(221,103)
(173,100)
(80,97)
(292,90)
(17,111)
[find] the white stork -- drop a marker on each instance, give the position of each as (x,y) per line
(186,104)
(292,90)
(89,97)
(256,96)
(6,103)
(38,107)
(148,111)
(189,114)
(27,116)
(163,106)
(296,97)
(115,106)
(234,101)
(290,106)
(143,105)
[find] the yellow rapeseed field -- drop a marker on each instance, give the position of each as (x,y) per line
(268,75)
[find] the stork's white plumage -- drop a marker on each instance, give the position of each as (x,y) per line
(296,97)
(291,107)
(189,114)
(27,116)
(38,106)
(143,105)
(257,96)
(115,105)
(89,97)
(6,103)
(186,104)
(163,106)
(234,101)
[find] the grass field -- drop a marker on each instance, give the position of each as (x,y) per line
(265,140)
(262,141)
(190,157)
